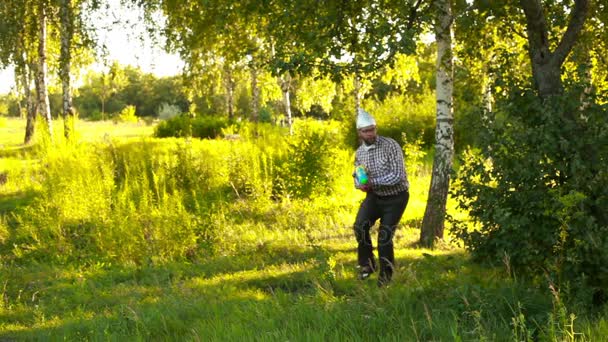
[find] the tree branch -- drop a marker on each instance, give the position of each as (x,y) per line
(537,29)
(511,26)
(577,20)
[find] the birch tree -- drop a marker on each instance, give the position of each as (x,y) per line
(44,107)
(18,39)
(65,62)
(434,215)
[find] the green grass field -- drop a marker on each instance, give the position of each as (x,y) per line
(280,270)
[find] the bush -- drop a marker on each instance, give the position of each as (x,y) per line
(200,127)
(313,161)
(208,126)
(127,114)
(537,190)
(96,116)
(179,127)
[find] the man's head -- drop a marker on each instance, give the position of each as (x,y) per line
(366,127)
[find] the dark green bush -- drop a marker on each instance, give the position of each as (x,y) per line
(209,126)
(536,191)
(185,126)
(178,126)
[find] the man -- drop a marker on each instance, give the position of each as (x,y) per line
(387,191)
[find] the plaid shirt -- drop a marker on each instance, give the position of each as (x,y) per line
(384,165)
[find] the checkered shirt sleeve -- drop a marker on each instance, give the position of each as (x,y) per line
(385,166)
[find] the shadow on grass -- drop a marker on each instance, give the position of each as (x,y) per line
(17,151)
(14,201)
(283,290)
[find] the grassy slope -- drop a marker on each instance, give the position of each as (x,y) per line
(277,284)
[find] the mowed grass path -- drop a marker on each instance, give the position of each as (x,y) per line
(272,283)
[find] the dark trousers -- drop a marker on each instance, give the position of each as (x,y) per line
(389,210)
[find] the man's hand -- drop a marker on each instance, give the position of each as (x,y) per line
(365,188)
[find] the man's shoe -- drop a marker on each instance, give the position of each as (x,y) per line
(365,272)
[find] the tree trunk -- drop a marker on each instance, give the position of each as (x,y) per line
(19,93)
(31,103)
(229,84)
(41,74)
(285,85)
(487,96)
(255,95)
(434,215)
(65,64)
(546,64)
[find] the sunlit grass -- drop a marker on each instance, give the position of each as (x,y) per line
(13,131)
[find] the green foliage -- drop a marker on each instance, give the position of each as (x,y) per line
(4,231)
(123,86)
(250,170)
(199,127)
(127,114)
(313,161)
(146,202)
(266,114)
(95,116)
(560,326)
(413,154)
(178,126)
(209,126)
(4,105)
(398,114)
(537,192)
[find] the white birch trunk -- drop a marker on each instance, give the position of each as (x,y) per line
(255,95)
(30,102)
(487,97)
(230,85)
(65,65)
(41,75)
(285,85)
(434,216)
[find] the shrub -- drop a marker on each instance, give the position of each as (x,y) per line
(208,126)
(313,161)
(127,114)
(179,126)
(96,116)
(200,127)
(537,190)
